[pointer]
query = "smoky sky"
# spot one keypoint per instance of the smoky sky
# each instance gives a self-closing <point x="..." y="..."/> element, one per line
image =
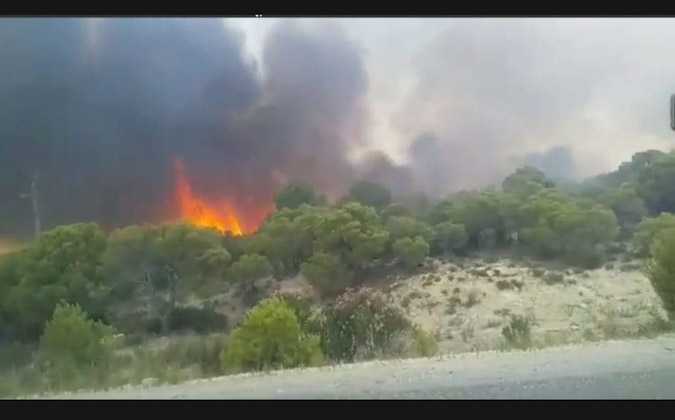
<point x="576" y="96"/>
<point x="557" y="163"/>
<point x="101" y="108"/>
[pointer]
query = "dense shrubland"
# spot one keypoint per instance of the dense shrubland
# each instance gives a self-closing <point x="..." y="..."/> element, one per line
<point x="79" y="282"/>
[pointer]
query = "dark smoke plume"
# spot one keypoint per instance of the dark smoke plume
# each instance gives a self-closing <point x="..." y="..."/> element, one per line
<point x="102" y="107"/>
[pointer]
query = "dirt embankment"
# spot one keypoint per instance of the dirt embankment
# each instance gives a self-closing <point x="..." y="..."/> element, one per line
<point x="467" y="302"/>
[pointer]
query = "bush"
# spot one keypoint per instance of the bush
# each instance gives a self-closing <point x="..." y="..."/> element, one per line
<point x="425" y="343"/>
<point x="327" y="273"/>
<point x="472" y="298"/>
<point x="270" y="337"/>
<point x="411" y="252"/>
<point x="73" y="345"/>
<point x="250" y="267"/>
<point x="200" y="320"/>
<point x="361" y="323"/>
<point x="661" y="269"/>
<point x="649" y="229"/>
<point x="15" y="355"/>
<point x="202" y="351"/>
<point x="589" y="258"/>
<point x="448" y="236"/>
<point x="553" y="278"/>
<point x="517" y="333"/>
<point x="295" y="195"/>
<point x="503" y="284"/>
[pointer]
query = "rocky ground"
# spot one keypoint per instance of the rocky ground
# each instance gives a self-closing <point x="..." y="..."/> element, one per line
<point x="467" y="302"/>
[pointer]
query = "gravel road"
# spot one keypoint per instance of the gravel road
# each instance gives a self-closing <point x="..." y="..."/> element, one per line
<point x="613" y="369"/>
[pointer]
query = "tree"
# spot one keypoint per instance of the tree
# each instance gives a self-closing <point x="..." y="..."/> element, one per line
<point x="286" y="238"/>
<point x="327" y="273"/>
<point x="215" y="259"/>
<point x="554" y="225"/>
<point x="403" y="226"/>
<point x="393" y="210"/>
<point x="411" y="251"/>
<point x="246" y="272"/>
<point x="655" y="183"/>
<point x="270" y="337"/>
<point x="62" y="264"/>
<point x="249" y="268"/>
<point x="167" y="262"/>
<point x="352" y="232"/>
<point x="477" y="211"/>
<point x="370" y="194"/>
<point x="72" y="343"/>
<point x="449" y="237"/>
<point x="294" y="195"/>
<point x="526" y="181"/>
<point x="626" y="204"/>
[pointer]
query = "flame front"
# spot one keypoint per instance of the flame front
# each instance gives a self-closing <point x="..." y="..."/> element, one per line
<point x="197" y="211"/>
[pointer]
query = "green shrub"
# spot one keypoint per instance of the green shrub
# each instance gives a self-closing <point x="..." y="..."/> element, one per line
<point x="411" y="251"/>
<point x="15" y="355"/>
<point x="361" y="322"/>
<point x="661" y="269"/>
<point x="327" y="273"/>
<point x="74" y="347"/>
<point x="250" y="267"/>
<point x="517" y="332"/>
<point x="270" y="337"/>
<point x="200" y="320"/>
<point x="425" y="343"/>
<point x="589" y="258"/>
<point x="448" y="237"/>
<point x="649" y="229"/>
<point x="202" y="351"/>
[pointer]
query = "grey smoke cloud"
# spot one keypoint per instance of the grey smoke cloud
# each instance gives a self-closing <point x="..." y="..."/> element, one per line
<point x="101" y="109"/>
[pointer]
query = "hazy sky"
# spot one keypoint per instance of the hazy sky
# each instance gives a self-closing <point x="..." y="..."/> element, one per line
<point x="495" y="90"/>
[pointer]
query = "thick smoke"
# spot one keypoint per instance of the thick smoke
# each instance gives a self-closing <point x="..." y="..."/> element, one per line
<point x="102" y="107"/>
<point x="377" y="167"/>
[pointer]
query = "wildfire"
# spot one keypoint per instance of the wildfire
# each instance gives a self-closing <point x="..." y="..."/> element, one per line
<point x="197" y="211"/>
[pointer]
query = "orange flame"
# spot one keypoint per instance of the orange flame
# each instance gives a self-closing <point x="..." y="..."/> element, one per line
<point x="198" y="212"/>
